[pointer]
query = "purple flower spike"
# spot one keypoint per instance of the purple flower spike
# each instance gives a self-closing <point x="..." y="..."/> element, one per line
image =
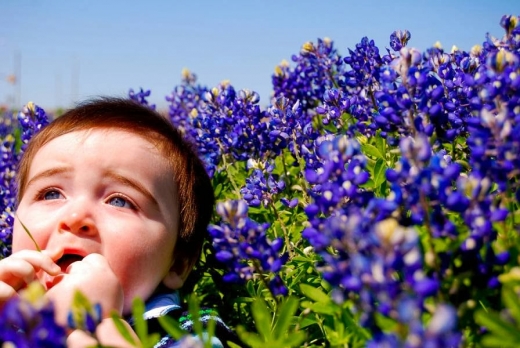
<point x="242" y="245"/>
<point x="399" y="39"/>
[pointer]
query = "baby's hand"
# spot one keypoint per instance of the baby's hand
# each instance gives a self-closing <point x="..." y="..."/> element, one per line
<point x="95" y="279"/>
<point x="19" y="269"/>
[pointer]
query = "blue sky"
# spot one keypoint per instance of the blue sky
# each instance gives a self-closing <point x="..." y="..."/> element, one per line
<point x="72" y="50"/>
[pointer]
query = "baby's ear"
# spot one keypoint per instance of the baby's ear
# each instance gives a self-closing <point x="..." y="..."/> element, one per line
<point x="177" y="274"/>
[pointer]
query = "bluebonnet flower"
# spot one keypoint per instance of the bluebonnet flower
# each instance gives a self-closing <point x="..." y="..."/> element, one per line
<point x="141" y="97"/>
<point x="289" y="203"/>
<point x="318" y="67"/>
<point x="28" y="321"/>
<point x="399" y="39"/>
<point x="7" y="122"/>
<point x="440" y="332"/>
<point x="337" y="178"/>
<point x="185" y="102"/>
<point x="510" y="24"/>
<point x="262" y="186"/>
<point x="287" y="126"/>
<point x="376" y="260"/>
<point x="8" y="163"/>
<point x="30" y="120"/>
<point x="335" y="104"/>
<point x="227" y="123"/>
<point x="243" y="246"/>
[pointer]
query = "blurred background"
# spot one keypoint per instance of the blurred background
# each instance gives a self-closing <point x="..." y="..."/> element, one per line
<point x="56" y="53"/>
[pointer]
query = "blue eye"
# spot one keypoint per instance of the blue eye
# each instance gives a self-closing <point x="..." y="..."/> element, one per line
<point x="120" y="202"/>
<point x="53" y="194"/>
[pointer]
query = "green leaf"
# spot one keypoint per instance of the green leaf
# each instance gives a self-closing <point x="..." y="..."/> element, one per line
<point x="172" y="327"/>
<point x="210" y="330"/>
<point x="295" y="339"/>
<point x="151" y="340"/>
<point x="369" y="185"/>
<point x="80" y="306"/>
<point x="371" y="150"/>
<point x="218" y="190"/>
<point x="314" y="293"/>
<point x="262" y="317"/>
<point x="141" y="327"/>
<point x="497" y="325"/>
<point x="81" y="301"/>
<point x="251" y="339"/>
<point x="233" y="345"/>
<point x="322" y="308"/>
<point x="379" y="173"/>
<point x="193" y="308"/>
<point x="304" y="322"/>
<point x="285" y="316"/>
<point x="497" y="341"/>
<point x="381" y="144"/>
<point x="122" y="328"/>
<point x="512" y="303"/>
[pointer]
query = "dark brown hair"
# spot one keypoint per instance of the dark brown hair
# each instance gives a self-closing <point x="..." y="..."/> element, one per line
<point x="194" y="190"/>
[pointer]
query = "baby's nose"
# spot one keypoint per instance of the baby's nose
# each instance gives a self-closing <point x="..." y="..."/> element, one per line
<point x="78" y="219"/>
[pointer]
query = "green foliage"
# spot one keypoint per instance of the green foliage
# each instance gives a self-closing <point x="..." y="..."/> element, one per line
<point x="274" y="329"/>
<point x="339" y="326"/>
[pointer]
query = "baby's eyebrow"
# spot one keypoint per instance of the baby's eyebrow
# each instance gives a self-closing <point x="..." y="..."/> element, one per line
<point x="48" y="173"/>
<point x="132" y="183"/>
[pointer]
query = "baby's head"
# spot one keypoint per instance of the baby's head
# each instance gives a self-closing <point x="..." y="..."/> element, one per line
<point x="115" y="178"/>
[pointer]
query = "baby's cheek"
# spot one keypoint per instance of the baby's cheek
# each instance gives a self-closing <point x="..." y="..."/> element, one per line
<point x="21" y="240"/>
<point x="136" y="284"/>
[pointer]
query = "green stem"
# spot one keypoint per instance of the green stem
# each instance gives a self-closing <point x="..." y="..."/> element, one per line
<point x="258" y="270"/>
<point x="285" y="233"/>
<point x="226" y="166"/>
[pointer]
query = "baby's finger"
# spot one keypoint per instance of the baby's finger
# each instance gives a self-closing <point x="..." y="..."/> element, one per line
<point x="15" y="272"/>
<point x="96" y="260"/>
<point x="6" y="292"/>
<point x="39" y="260"/>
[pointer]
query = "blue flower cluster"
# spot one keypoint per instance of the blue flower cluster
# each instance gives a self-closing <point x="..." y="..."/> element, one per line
<point x="449" y="123"/>
<point x="428" y="104"/>
<point x="376" y="261"/>
<point x="244" y="247"/>
<point x="411" y="229"/>
<point x="318" y="67"/>
<point x="141" y="97"/>
<point x="28" y="321"/>
<point x="8" y="162"/>
<point x="29" y="121"/>
<point x="262" y="186"/>
<point x="185" y="101"/>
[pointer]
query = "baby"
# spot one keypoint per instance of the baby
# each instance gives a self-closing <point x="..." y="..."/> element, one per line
<point x="118" y="203"/>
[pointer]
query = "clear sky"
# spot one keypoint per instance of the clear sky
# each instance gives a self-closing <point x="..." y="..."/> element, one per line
<point x="68" y="50"/>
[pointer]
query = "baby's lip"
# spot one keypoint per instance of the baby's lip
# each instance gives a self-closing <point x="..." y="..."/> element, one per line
<point x="65" y="256"/>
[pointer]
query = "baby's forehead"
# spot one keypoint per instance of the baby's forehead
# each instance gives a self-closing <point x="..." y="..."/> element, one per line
<point x="104" y="144"/>
<point x="128" y="137"/>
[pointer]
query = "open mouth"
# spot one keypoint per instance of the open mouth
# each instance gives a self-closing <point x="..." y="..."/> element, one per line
<point x="66" y="260"/>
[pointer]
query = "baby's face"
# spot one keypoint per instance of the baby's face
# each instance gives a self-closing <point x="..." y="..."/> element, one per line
<point x="103" y="191"/>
